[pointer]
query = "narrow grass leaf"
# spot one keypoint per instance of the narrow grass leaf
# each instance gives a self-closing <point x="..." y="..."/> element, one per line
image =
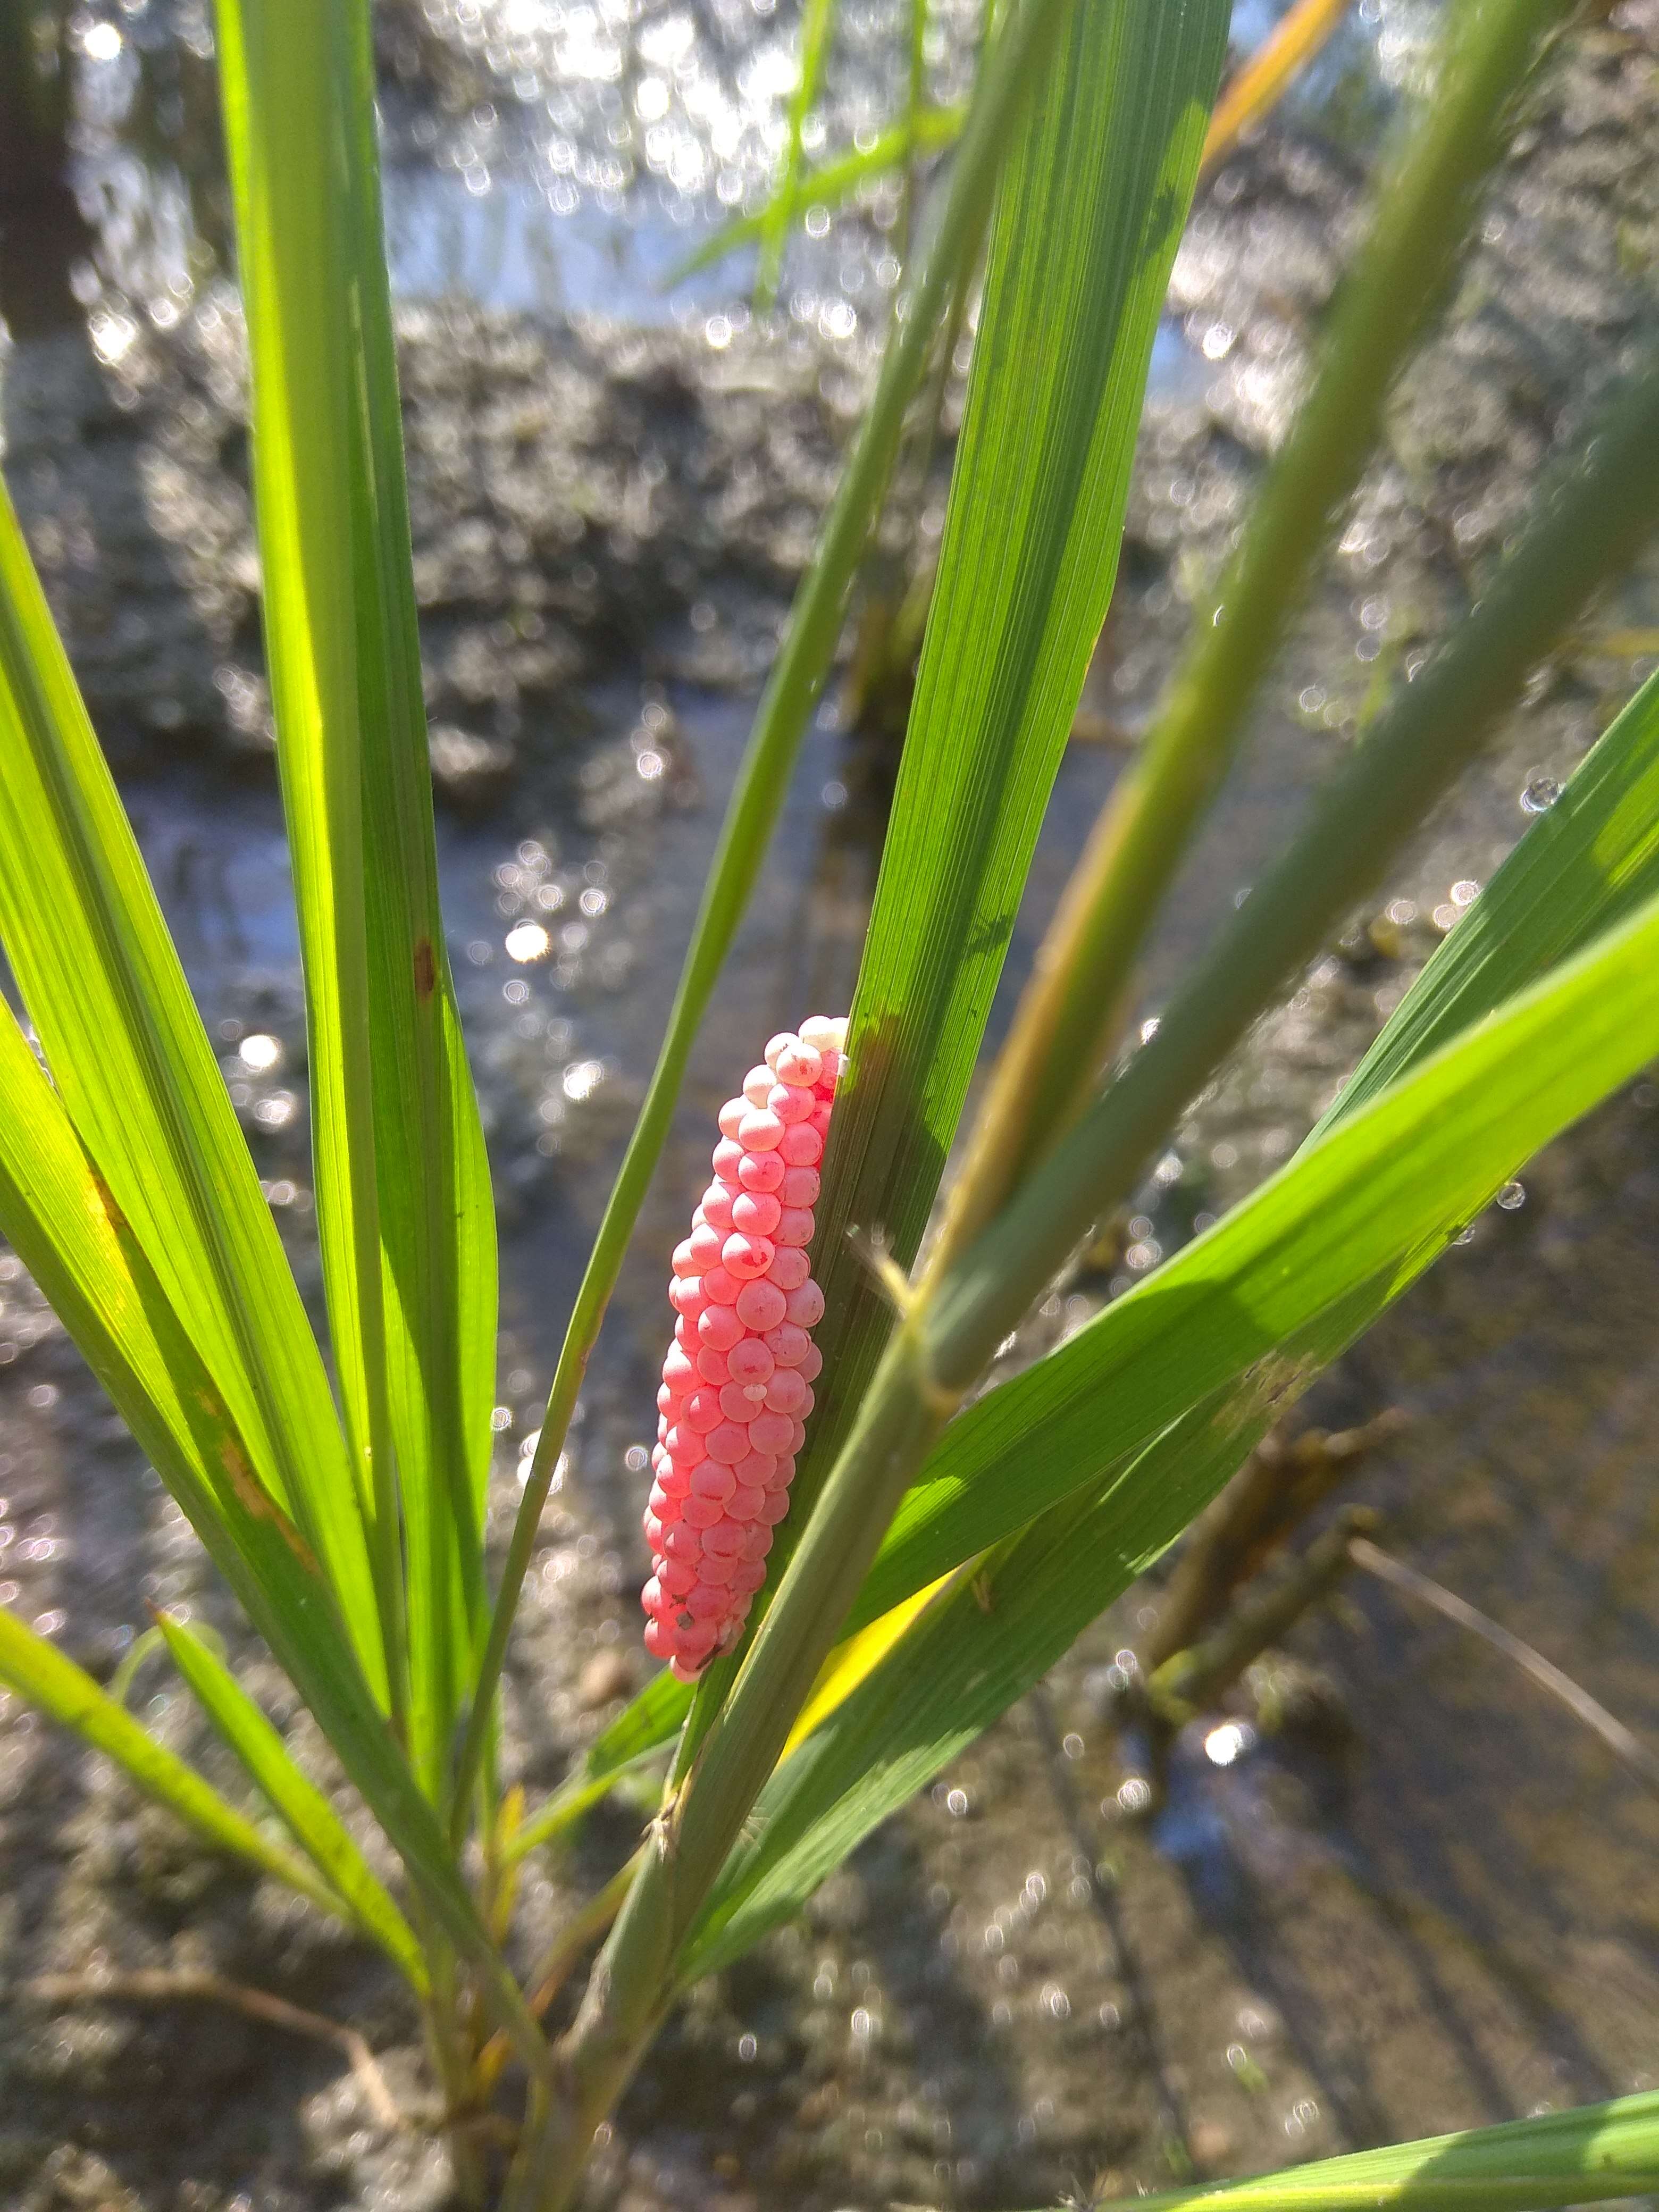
<point x="1224" y="1349"/>
<point x="137" y="1072"/>
<point x="404" y="1209"/>
<point x="55" y="1686"/>
<point x="311" y="1820"/>
<point x="817" y="21"/>
<point x="1591" y="858"/>
<point x="1583" y="2156"/>
<point x="829" y="184"/>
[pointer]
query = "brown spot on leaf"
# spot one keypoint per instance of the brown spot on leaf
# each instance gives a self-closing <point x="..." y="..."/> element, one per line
<point x="260" y="1505"/>
<point x="118" y="1220"/>
<point x="426" y="967"/>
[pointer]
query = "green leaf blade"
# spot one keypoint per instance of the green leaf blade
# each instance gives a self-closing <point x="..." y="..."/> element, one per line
<point x="405" y="1210"/>
<point x="313" y="1822"/>
<point x="137" y="1072"/>
<point x="55" y="1686"/>
<point x="1578" y="2157"/>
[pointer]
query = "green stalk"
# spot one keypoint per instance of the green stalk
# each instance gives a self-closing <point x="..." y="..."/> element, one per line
<point x="913" y="109"/>
<point x="1071" y="1014"/>
<point x="949" y="1335"/>
<point x="786" y="708"/>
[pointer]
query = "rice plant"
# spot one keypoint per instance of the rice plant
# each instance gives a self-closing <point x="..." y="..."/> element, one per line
<point x="944" y="1543"/>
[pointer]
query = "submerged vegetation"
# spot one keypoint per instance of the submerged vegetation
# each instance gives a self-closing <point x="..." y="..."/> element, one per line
<point x="952" y="1528"/>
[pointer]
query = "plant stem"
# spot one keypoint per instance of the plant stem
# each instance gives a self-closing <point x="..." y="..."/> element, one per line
<point x="786" y="708"/>
<point x="1072" y="1011"/>
<point x="1277" y="1486"/>
<point x="1189" y="1680"/>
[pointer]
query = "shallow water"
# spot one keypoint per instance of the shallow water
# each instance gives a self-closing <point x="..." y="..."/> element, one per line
<point x="1427" y="1900"/>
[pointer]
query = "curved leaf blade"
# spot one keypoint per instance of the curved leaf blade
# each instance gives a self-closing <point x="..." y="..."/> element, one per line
<point x="311" y="1820"/>
<point x="1578" y="2157"/>
<point x="137" y="1074"/>
<point x="55" y="1686"/>
<point x="405" y="1207"/>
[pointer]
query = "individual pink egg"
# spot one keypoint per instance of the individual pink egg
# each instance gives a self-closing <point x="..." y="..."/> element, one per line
<point x="705" y="1241"/>
<point x="747" y="1258"/>
<point x="777" y="1046"/>
<point x="712" y="1480"/>
<point x="702" y="1411"/>
<point x="757" y="1470"/>
<point x="761" y="1306"/>
<point x="819" y="1123"/>
<point x="746" y="1503"/>
<point x="719" y="1326"/>
<point x="801" y="1144"/>
<point x="737" y="1405"/>
<point x="728" y="1159"/>
<point x="799" y="1063"/>
<point x="787" y="1343"/>
<point x="790" y="1268"/>
<point x="714" y="1366"/>
<point x="719" y="1285"/>
<point x="757" y="1085"/>
<point x="771" y="1432"/>
<point x="761" y="1131"/>
<point x="800" y="1186"/>
<point x="756" y="1214"/>
<point x="728" y="1443"/>
<point x="787" y="1393"/>
<point x="731" y="1113"/>
<point x="791" y="1105"/>
<point x="750" y="1361"/>
<point x="763" y="1171"/>
<point x="795" y="1226"/>
<point x="804" y="1307"/>
<point x="717" y="1206"/>
<point x="811" y="1367"/>
<point x="685" y="1447"/>
<point x="700" y="1512"/>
